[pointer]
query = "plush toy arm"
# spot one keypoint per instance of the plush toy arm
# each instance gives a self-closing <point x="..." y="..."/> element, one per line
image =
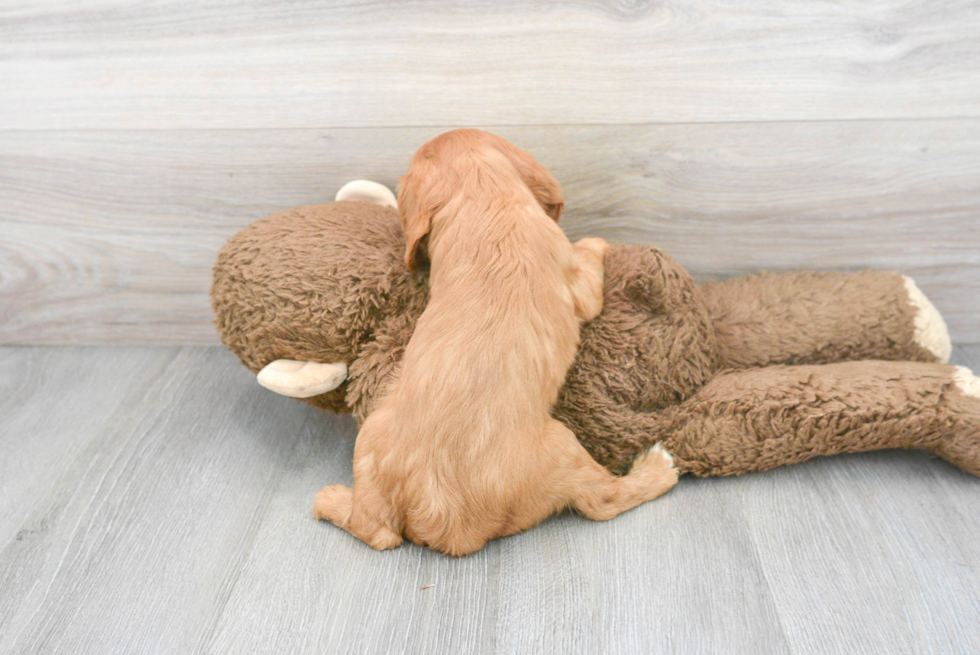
<point x="817" y="317"/>
<point x="368" y="378"/>
<point x="757" y="419"/>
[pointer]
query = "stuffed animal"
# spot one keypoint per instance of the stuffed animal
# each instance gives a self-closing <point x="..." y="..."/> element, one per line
<point x="735" y="376"/>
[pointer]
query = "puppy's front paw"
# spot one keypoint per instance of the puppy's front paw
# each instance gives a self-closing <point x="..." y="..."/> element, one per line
<point x="595" y="246"/>
<point x="656" y="467"/>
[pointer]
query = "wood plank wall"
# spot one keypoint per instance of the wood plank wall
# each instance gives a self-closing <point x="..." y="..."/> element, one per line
<point x="136" y="137"/>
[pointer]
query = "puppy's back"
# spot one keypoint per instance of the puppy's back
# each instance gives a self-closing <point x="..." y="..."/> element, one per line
<point x="466" y="419"/>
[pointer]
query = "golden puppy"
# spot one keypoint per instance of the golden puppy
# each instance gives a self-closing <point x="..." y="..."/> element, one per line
<point x="462" y="449"/>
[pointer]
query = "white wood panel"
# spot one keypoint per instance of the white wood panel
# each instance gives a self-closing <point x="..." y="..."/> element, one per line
<point x="109" y="237"/>
<point x="178" y="64"/>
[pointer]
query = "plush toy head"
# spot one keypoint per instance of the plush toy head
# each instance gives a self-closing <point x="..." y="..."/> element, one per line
<point x="313" y="284"/>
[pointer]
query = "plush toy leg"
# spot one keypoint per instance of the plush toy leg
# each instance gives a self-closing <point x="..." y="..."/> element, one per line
<point x="757" y="419"/>
<point x="301" y="379"/>
<point x="819" y="318"/>
<point x="367" y="191"/>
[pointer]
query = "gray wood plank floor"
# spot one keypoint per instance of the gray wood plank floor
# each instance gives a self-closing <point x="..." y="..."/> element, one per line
<point x="156" y="500"/>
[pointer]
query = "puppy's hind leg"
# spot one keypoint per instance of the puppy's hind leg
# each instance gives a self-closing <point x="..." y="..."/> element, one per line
<point x="597" y="494"/>
<point x="358" y="515"/>
<point x="334" y="504"/>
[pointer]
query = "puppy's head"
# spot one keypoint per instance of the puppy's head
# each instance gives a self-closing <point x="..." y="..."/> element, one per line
<point x="435" y="176"/>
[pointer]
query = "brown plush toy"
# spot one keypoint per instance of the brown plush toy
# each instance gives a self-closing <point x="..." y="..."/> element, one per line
<point x="730" y="377"/>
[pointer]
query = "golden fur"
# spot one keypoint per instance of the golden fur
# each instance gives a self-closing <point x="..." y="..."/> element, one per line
<point x="462" y="449"/>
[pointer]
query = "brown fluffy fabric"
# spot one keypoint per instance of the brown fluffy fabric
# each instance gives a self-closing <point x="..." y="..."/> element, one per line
<point x="786" y="319"/>
<point x="327" y="283"/>
<point x="760" y="418"/>
<point x="314" y="284"/>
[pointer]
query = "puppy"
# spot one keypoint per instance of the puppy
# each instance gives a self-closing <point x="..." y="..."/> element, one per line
<point x="462" y="449"/>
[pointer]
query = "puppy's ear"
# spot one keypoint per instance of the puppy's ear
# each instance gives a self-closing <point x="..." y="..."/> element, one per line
<point x="416" y="222"/>
<point x="416" y="205"/>
<point x="540" y="181"/>
<point x="554" y="210"/>
<point x="415" y="255"/>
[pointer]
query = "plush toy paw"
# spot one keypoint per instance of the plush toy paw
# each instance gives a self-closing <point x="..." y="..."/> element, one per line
<point x="367" y="191"/>
<point x="959" y="439"/>
<point x="301" y="379"/>
<point x="967" y="382"/>
<point x="930" y="328"/>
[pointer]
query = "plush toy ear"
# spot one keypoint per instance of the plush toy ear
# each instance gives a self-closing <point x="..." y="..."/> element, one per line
<point x="367" y="191"/>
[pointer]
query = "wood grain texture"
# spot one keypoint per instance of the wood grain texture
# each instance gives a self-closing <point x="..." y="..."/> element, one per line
<point x="183" y="526"/>
<point x="570" y="585"/>
<point x="46" y="424"/>
<point x="135" y="547"/>
<point x="109" y="237"/>
<point x="177" y="64"/>
<point x="843" y="531"/>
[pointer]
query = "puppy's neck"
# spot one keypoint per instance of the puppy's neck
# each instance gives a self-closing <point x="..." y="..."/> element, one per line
<point x="491" y="232"/>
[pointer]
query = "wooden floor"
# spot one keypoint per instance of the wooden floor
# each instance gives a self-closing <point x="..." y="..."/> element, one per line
<point x="158" y="500"/>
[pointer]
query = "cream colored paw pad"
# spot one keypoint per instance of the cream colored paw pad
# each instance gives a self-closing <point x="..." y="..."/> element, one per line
<point x="930" y="328"/>
<point x="968" y="383"/>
